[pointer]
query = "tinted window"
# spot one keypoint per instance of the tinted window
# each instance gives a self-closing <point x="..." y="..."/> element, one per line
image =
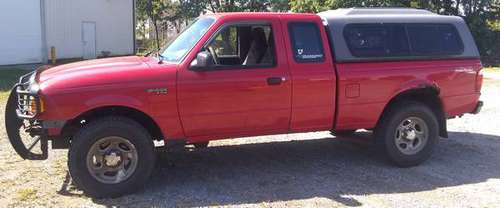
<point x="306" y="42"/>
<point x="399" y="40"/>
<point x="430" y="39"/>
<point x="376" y="40"/>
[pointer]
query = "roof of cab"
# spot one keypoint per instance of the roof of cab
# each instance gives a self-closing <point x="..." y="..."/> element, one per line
<point x="258" y="14"/>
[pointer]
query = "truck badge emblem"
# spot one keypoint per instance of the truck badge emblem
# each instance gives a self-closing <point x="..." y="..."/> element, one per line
<point x="158" y="91"/>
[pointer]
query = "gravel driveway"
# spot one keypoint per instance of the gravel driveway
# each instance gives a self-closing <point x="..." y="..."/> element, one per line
<point x="296" y="170"/>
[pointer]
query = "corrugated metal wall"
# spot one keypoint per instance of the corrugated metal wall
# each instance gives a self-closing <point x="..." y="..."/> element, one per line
<point x="114" y="26"/>
<point x="20" y="33"/>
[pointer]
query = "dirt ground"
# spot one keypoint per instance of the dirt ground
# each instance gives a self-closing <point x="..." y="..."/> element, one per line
<point x="296" y="170"/>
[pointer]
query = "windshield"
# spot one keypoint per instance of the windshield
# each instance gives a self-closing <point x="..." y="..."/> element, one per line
<point x="178" y="48"/>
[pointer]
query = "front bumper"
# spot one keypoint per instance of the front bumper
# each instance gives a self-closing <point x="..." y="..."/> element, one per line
<point x="29" y="104"/>
<point x="478" y="107"/>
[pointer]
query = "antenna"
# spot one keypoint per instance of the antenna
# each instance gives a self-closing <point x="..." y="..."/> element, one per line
<point x="150" y="8"/>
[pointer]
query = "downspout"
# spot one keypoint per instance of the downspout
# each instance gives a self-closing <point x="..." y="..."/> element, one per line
<point x="43" y="32"/>
<point x="134" y="19"/>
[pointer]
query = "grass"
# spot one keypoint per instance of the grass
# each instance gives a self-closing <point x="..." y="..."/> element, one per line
<point x="3" y="95"/>
<point x="26" y="194"/>
<point x="492" y="69"/>
<point x="9" y="77"/>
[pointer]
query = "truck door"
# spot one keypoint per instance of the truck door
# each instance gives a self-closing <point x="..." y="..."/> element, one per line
<point x="246" y="92"/>
<point x="313" y="74"/>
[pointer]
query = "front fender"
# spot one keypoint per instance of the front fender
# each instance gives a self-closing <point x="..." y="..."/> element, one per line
<point x="115" y="100"/>
<point x="66" y="106"/>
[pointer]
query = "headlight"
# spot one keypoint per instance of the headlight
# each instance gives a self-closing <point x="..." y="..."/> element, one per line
<point x="34" y="88"/>
<point x="30" y="101"/>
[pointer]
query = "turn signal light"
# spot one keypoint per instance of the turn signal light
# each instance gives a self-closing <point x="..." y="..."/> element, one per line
<point x="42" y="104"/>
<point x="32" y="103"/>
<point x="33" y="108"/>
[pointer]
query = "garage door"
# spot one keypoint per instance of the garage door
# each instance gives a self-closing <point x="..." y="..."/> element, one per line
<point x="20" y="32"/>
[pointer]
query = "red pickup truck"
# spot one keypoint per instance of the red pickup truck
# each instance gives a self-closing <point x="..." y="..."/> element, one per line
<point x="400" y="73"/>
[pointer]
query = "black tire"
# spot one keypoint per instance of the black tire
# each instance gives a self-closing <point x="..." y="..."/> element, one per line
<point x="385" y="133"/>
<point x="13" y="126"/>
<point x="106" y="127"/>
<point x="343" y="133"/>
<point x="199" y="145"/>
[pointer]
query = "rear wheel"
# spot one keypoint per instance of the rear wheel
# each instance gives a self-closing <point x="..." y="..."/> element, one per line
<point x="408" y="133"/>
<point x="111" y="157"/>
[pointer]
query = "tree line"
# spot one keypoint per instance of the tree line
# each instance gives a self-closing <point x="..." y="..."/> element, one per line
<point x="482" y="16"/>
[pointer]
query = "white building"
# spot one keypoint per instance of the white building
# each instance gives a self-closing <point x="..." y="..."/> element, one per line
<point x="75" y="28"/>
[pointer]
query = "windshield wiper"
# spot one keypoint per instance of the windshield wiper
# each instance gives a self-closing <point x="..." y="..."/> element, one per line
<point x="161" y="58"/>
<point x="149" y="53"/>
<point x="158" y="54"/>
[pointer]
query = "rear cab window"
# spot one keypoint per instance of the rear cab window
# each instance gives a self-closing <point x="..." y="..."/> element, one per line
<point x="306" y="42"/>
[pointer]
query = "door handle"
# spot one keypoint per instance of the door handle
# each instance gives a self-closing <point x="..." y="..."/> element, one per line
<point x="275" y="80"/>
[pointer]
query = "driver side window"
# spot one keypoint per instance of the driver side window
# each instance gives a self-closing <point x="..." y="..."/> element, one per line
<point x="226" y="43"/>
<point x="245" y="45"/>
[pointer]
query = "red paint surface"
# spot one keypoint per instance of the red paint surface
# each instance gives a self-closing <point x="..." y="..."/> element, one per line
<point x="380" y="82"/>
<point x="234" y="103"/>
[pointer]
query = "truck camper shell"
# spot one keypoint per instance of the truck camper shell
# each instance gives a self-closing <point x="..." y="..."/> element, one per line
<point x="338" y="20"/>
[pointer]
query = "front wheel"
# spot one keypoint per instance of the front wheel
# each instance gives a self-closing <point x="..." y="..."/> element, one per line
<point x="408" y="133"/>
<point x="19" y="132"/>
<point x="111" y="157"/>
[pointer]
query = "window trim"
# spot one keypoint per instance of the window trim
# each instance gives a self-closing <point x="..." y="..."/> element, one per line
<point x="238" y="67"/>
<point x="292" y="43"/>
<point x="411" y="55"/>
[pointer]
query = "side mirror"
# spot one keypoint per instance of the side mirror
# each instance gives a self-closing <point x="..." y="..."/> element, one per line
<point x="204" y="60"/>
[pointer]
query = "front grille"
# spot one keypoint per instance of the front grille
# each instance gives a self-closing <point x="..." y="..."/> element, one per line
<point x="28" y="105"/>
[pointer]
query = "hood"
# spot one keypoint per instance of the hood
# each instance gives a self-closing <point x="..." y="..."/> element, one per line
<point x="107" y="71"/>
<point x="92" y="66"/>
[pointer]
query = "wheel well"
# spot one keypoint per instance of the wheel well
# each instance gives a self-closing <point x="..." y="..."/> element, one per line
<point x="143" y="119"/>
<point x="428" y="96"/>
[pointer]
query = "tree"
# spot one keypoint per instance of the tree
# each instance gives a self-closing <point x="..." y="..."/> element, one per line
<point x="315" y="6"/>
<point x="279" y="5"/>
<point x="482" y="16"/>
<point x="310" y="6"/>
<point x="246" y="5"/>
<point x="151" y="10"/>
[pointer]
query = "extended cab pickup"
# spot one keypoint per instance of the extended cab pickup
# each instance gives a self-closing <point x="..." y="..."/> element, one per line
<point x="397" y="72"/>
